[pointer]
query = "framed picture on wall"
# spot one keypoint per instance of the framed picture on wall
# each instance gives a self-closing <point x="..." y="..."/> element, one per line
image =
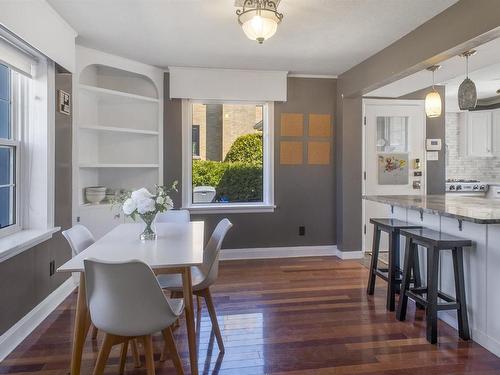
<point x="63" y="102"/>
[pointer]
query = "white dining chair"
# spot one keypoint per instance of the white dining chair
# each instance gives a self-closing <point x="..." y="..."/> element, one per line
<point x="79" y="238"/>
<point x="126" y="302"/>
<point x="203" y="276"/>
<point x="174" y="216"/>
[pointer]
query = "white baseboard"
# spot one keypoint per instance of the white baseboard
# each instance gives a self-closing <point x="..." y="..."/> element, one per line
<point x="287" y="252"/>
<point x="487" y="342"/>
<point x="346" y="255"/>
<point x="19" y="331"/>
<point x="278" y="252"/>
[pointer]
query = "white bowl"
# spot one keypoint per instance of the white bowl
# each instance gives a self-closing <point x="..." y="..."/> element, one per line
<point x="96" y="189"/>
<point x="95" y="197"/>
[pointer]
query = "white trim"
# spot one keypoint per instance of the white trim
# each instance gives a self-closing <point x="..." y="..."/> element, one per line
<point x="320" y="76"/>
<point x="278" y="252"/>
<point x="19" y="331"/>
<point x="346" y="255"/>
<point x="268" y="164"/>
<point x="23" y="240"/>
<point x="288" y="252"/>
<point x="487" y="342"/>
<point x="233" y="208"/>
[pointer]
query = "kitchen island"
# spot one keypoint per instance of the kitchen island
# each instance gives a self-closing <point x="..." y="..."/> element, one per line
<point x="477" y="219"/>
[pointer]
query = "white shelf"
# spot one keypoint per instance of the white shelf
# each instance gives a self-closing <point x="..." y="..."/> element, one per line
<point x="115" y="93"/>
<point x="99" y="165"/>
<point x="118" y="130"/>
<point x="99" y="205"/>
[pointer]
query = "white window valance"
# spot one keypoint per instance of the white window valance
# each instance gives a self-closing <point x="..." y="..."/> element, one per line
<point x="228" y="84"/>
<point x="13" y="54"/>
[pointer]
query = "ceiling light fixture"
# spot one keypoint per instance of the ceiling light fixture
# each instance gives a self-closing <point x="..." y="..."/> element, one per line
<point x="259" y="19"/>
<point x="433" y="99"/>
<point x="467" y="93"/>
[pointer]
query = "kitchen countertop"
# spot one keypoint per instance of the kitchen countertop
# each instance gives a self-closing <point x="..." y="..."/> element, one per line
<point x="474" y="209"/>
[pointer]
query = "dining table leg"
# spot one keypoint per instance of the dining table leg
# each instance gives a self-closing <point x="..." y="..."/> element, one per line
<point x="188" y="301"/>
<point x="81" y="328"/>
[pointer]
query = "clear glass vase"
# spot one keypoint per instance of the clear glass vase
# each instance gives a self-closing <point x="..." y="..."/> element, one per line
<point x="149" y="232"/>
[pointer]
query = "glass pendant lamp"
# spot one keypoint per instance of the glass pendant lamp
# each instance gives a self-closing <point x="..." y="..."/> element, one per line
<point x="433" y="105"/>
<point x="467" y="93"/>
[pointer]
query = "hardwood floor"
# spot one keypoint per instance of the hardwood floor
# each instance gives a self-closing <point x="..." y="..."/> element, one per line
<point x="287" y="316"/>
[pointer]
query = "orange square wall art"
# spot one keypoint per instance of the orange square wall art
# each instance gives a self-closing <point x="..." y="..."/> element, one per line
<point x="320" y="125"/>
<point x="318" y="153"/>
<point x="291" y="153"/>
<point x="292" y="125"/>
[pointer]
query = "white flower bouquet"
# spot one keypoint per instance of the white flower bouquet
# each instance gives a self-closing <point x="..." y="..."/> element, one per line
<point x="141" y="203"/>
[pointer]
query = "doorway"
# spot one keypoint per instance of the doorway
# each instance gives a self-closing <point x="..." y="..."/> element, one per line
<point x="394" y="134"/>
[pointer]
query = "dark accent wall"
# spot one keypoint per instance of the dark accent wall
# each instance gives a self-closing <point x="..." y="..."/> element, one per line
<point x="24" y="279"/>
<point x="305" y="195"/>
<point x="435" y="128"/>
<point x="349" y="168"/>
<point x="464" y="25"/>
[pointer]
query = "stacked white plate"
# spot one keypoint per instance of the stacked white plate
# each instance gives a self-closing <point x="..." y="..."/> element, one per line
<point x="95" y="194"/>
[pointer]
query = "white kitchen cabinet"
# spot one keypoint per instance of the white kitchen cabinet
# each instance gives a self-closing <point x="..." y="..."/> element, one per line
<point x="496" y="132"/>
<point x="480" y="134"/>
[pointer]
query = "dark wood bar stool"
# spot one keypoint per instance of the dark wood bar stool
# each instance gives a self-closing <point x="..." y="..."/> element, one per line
<point x="391" y="274"/>
<point x="434" y="242"/>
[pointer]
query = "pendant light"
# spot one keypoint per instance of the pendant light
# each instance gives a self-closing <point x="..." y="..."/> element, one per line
<point x="259" y="19"/>
<point x="433" y="99"/>
<point x="467" y="93"/>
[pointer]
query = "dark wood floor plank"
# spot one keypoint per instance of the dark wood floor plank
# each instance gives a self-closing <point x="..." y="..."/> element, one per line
<point x="300" y="316"/>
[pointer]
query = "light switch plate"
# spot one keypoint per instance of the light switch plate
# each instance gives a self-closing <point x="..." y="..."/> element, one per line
<point x="432" y="155"/>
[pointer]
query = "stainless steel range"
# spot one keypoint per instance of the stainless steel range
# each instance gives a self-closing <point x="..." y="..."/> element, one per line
<point x="472" y="188"/>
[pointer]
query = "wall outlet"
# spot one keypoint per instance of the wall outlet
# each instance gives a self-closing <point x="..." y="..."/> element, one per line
<point x="302" y="230"/>
<point x="52" y="267"/>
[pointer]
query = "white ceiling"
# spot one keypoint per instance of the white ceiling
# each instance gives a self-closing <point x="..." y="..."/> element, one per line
<point x="484" y="70"/>
<point x="315" y="37"/>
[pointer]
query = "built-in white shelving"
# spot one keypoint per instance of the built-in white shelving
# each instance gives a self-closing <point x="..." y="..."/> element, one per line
<point x="118" y="130"/>
<point x="115" y="94"/>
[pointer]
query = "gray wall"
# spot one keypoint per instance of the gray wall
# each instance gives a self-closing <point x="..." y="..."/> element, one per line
<point x="24" y="279"/>
<point x="464" y="25"/>
<point x="349" y="166"/>
<point x="435" y="128"/>
<point x="305" y="195"/>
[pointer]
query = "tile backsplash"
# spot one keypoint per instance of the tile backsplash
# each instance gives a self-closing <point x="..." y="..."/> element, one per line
<point x="457" y="166"/>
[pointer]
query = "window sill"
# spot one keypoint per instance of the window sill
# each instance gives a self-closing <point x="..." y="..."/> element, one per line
<point x="230" y="208"/>
<point x="14" y="244"/>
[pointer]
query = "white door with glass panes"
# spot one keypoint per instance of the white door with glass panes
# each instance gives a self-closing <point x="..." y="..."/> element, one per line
<point x="394" y="156"/>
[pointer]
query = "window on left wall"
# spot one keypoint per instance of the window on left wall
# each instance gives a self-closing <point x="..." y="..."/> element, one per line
<point x="27" y="102"/>
<point x="9" y="151"/>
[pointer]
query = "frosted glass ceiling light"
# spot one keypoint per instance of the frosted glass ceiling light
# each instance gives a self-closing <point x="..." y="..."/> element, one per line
<point x="433" y="99"/>
<point x="467" y="93"/>
<point x="259" y="19"/>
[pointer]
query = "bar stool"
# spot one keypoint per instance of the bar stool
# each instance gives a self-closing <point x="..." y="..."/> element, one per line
<point x="392" y="273"/>
<point x="434" y="242"/>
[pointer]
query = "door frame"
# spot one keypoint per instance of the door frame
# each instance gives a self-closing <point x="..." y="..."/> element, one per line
<point x="396" y="102"/>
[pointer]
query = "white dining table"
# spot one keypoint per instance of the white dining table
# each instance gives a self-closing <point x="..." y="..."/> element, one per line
<point x="177" y="248"/>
